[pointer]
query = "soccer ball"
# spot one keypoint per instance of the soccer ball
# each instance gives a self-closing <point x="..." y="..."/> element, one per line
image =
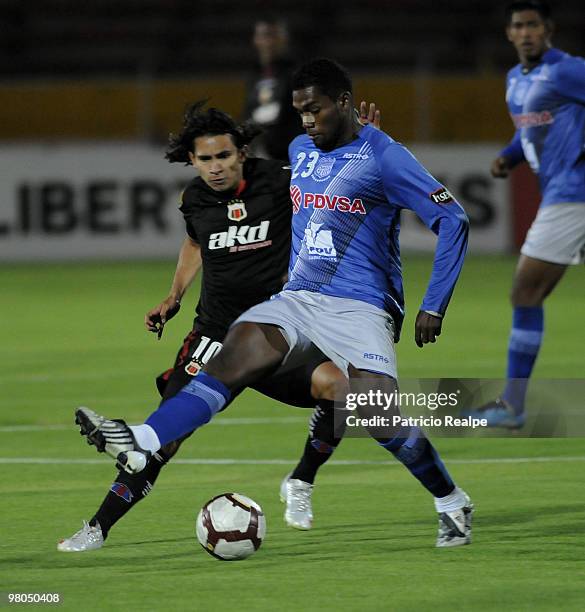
<point x="231" y="526"/>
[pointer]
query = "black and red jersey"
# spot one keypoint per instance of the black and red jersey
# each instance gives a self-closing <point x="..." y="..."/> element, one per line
<point x="245" y="240"/>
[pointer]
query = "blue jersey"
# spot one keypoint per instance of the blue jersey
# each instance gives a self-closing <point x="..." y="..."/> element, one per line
<point x="346" y="221"/>
<point x="547" y="105"/>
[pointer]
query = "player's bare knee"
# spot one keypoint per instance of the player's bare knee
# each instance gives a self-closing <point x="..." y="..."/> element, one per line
<point x="528" y="294"/>
<point x="247" y="350"/>
<point x="328" y="382"/>
<point x="226" y="368"/>
<point x="534" y="281"/>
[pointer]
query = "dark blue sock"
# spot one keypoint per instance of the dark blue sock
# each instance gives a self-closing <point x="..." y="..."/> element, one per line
<point x="411" y="447"/>
<point x="192" y="407"/>
<point x="523" y="347"/>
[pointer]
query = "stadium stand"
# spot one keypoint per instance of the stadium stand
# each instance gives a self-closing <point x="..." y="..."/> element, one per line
<point x="162" y="37"/>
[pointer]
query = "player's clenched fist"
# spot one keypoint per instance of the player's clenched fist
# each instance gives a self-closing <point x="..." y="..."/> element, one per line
<point x="426" y="328"/>
<point x="500" y="167"/>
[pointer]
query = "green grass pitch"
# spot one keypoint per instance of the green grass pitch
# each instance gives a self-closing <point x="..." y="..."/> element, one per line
<point x="73" y="334"/>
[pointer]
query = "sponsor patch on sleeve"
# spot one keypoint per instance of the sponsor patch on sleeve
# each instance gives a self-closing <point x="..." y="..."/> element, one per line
<point x="441" y="196"/>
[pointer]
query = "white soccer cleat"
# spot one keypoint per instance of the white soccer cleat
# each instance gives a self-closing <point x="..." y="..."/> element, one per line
<point x="455" y="526"/>
<point x="113" y="437"/>
<point x="87" y="538"/>
<point x="283" y="488"/>
<point x="297" y="496"/>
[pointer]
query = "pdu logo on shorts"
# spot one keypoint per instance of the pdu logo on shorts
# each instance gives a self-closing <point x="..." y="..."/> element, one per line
<point x="319" y="242"/>
<point x="241" y="238"/>
<point x="236" y="210"/>
<point x="441" y="196"/>
<point x="321" y="201"/>
<point x="375" y="357"/>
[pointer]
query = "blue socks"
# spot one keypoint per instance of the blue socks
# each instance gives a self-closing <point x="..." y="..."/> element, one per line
<point x="523" y="347"/>
<point x="411" y="447"/>
<point x="192" y="407"/>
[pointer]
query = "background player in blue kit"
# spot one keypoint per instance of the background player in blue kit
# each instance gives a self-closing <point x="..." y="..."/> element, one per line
<point x="344" y="294"/>
<point x="546" y="99"/>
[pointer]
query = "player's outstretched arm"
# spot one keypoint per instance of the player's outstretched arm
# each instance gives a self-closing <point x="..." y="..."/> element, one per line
<point x="188" y="265"/>
<point x="408" y="184"/>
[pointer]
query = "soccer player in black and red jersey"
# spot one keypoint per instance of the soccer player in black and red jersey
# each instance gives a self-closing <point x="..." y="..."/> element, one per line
<point x="238" y="223"/>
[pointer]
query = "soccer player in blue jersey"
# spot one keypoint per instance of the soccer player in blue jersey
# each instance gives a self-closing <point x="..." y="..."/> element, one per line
<point x="344" y="294"/>
<point x="546" y="99"/>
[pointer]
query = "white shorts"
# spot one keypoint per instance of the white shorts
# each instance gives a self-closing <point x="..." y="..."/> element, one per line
<point x="557" y="234"/>
<point x="347" y="331"/>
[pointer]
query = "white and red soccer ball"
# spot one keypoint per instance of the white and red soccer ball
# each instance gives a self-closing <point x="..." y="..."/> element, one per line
<point x="231" y="526"/>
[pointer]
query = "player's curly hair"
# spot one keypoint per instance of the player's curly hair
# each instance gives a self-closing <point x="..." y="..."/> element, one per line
<point x="210" y="122"/>
<point x="330" y="77"/>
<point x="542" y="8"/>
